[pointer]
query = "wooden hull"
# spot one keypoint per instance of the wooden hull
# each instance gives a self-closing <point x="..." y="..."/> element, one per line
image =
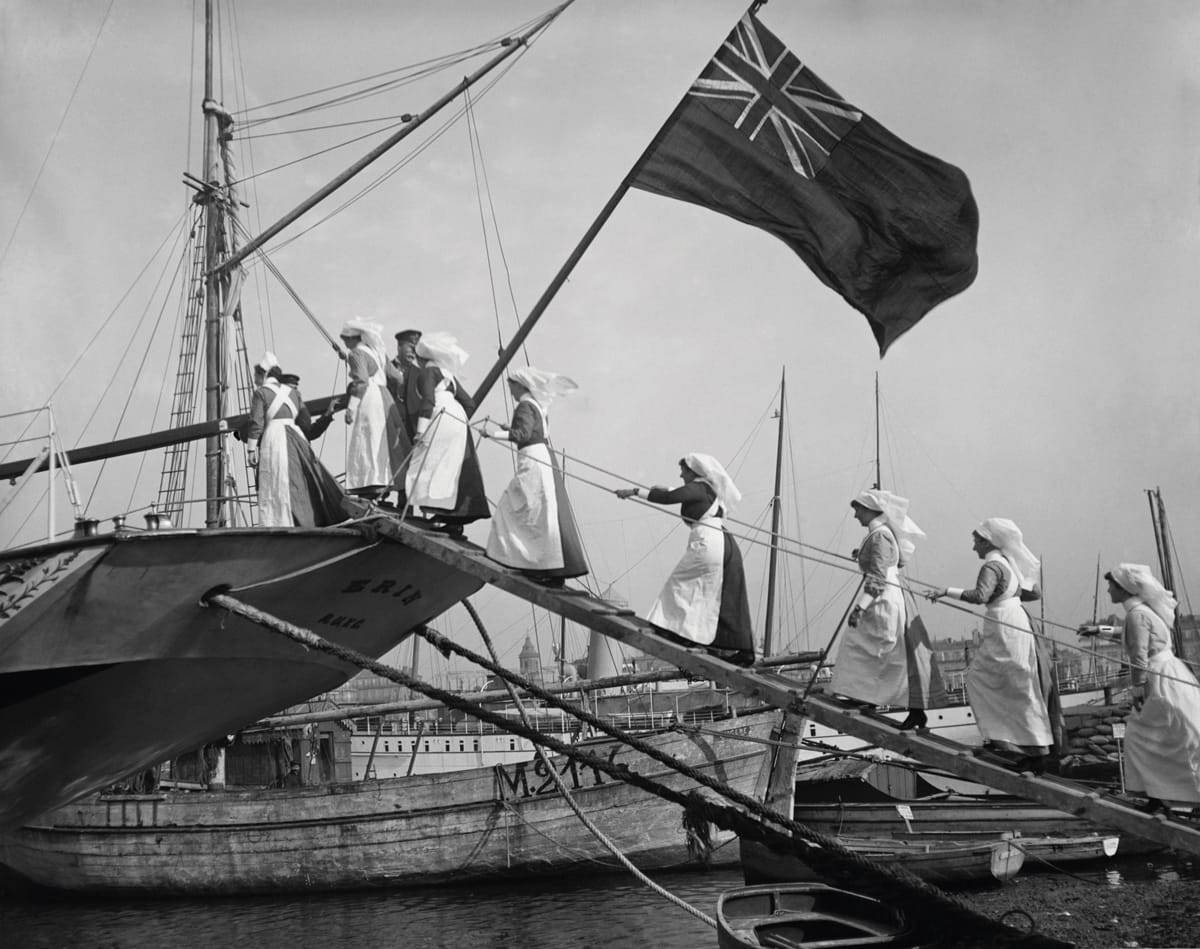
<point x="935" y="818"/>
<point x="940" y="862"/>
<point x="945" y="860"/>
<point x="109" y="664"/>
<point x="499" y="822"/>
<point x="807" y="914"/>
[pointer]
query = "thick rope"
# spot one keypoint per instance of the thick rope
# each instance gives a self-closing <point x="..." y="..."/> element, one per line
<point x="562" y="788"/>
<point x="835" y="861"/>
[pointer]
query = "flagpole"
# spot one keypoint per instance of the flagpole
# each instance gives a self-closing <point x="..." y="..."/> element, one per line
<point x="568" y="266"/>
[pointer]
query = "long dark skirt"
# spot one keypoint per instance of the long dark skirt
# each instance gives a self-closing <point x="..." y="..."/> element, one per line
<point x="574" y="560"/>
<point x="472" y="504"/>
<point x="315" y="495"/>
<point x="734" y="630"/>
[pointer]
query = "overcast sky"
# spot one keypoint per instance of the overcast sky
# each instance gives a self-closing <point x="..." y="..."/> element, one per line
<point x="1055" y="390"/>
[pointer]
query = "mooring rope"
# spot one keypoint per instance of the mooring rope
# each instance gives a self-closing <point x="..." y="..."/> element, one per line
<point x="836" y="862"/>
<point x="562" y="788"/>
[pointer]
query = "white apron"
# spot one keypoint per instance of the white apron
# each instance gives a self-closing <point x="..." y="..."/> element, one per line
<point x="690" y="602"/>
<point x="525" y="530"/>
<point x="1162" y="741"/>
<point x="1002" y="680"/>
<point x="274" y="486"/>
<point x="436" y="463"/>
<point x="368" y="458"/>
<point x="872" y="664"/>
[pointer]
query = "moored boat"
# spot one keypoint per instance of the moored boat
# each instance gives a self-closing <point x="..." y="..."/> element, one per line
<point x="944" y="862"/>
<point x="800" y="915"/>
<point x="110" y="663"/>
<point x="485" y="823"/>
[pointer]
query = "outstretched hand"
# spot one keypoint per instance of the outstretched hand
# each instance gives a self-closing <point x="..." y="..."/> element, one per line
<point x="936" y="595"/>
<point x="625" y="493"/>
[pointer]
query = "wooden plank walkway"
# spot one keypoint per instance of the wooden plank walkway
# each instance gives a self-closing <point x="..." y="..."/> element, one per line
<point x="774" y="689"/>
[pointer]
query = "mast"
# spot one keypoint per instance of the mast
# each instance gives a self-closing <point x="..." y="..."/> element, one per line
<point x="775" y="504"/>
<point x="214" y="381"/>
<point x="878" y="476"/>
<point x="1162" y="543"/>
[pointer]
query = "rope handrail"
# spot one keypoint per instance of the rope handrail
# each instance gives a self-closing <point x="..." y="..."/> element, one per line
<point x="843" y="562"/>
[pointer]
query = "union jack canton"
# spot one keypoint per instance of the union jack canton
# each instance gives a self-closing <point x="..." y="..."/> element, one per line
<point x="761" y="88"/>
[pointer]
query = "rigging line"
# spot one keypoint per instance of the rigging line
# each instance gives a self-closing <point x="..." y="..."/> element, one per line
<point x="172" y="357"/>
<point x="104" y="324"/>
<point x="191" y="98"/>
<point x="54" y="138"/>
<point x="406" y="160"/>
<point x="476" y="161"/>
<point x="67" y="375"/>
<point x="1181" y="593"/>
<point x="323" y="151"/>
<point x="246" y="150"/>
<point x="420" y="69"/>
<point x="401" y="117"/>
<point x="99" y="400"/>
<point x="290" y="290"/>
<point x="966" y="503"/>
<point x="481" y="170"/>
<point x="792" y="468"/>
<point x="403" y="162"/>
<point x="512" y="294"/>
<point x="361" y="95"/>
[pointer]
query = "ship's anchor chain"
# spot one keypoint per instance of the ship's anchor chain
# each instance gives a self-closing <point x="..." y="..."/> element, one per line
<point x="959" y="925"/>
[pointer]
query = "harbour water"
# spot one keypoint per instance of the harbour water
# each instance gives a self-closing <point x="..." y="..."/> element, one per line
<point x="601" y="913"/>
<point x="610" y="912"/>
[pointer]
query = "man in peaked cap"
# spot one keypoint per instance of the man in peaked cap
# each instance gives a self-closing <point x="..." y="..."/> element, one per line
<point x="402" y="378"/>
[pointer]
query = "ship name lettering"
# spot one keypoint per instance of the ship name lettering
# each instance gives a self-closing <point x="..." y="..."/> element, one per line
<point x="342" y="622"/>
<point x="518" y="781"/>
<point x="406" y="593"/>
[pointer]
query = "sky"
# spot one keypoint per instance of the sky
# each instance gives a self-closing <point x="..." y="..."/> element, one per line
<point x="1055" y="390"/>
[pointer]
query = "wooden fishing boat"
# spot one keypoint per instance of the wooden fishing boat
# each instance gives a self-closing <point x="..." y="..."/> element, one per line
<point x="891" y="800"/>
<point x="807" y="916"/>
<point x="944" y="862"/>
<point x="486" y="823"/>
<point x="941" y="817"/>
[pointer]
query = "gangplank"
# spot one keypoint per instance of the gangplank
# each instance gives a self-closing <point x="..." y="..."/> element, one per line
<point x="777" y="690"/>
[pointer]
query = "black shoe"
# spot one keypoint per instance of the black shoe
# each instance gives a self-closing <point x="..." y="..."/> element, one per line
<point x="916" y="719"/>
<point x="739" y="657"/>
<point x="554" y="583"/>
<point x="1154" y="806"/>
<point x="1034" y="763"/>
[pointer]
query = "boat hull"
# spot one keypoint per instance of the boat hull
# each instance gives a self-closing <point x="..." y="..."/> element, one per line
<point x="945" y="863"/>
<point x="501" y="822"/>
<point x="109" y="663"/>
<point x="807" y="914"/>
